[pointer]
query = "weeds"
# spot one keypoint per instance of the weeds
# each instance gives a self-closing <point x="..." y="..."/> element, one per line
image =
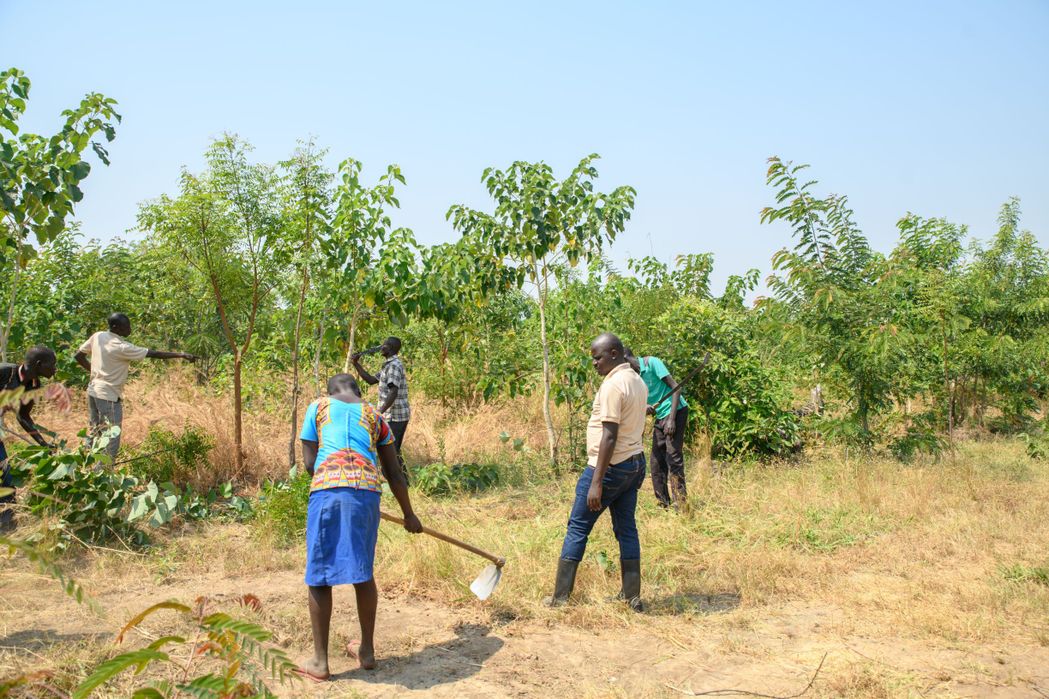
<point x="444" y="479"/>
<point x="166" y="457"/>
<point x="1020" y="573"/>
<point x="282" y="508"/>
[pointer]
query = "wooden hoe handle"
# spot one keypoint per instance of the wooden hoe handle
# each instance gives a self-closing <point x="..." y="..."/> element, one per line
<point x="499" y="562"/>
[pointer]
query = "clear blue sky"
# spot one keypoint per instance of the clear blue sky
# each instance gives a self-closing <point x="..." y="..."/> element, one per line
<point x="940" y="108"/>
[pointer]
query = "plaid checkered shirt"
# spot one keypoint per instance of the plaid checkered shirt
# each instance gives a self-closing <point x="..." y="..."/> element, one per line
<point x="392" y="374"/>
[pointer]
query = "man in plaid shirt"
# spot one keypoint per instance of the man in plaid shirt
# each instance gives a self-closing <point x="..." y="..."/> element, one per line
<point x="393" y="391"/>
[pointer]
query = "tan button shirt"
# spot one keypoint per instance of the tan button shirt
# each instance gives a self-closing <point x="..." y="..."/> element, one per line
<point x="621" y="399"/>
<point x="111" y="357"/>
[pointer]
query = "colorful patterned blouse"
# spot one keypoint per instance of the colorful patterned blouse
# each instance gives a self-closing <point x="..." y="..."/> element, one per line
<point x="348" y="437"/>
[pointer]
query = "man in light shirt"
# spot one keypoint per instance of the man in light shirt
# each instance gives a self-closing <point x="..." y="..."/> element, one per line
<point x="107" y="356"/>
<point x="614" y="473"/>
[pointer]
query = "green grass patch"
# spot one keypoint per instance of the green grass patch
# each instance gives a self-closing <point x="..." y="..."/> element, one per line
<point x="826" y="529"/>
<point x="1020" y="573"/>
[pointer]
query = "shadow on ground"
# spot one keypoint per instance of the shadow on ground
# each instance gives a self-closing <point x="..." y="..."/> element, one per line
<point x="445" y="662"/>
<point x="689" y="602"/>
<point x="40" y="639"/>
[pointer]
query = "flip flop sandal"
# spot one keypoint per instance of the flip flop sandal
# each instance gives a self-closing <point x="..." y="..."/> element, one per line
<point x="306" y="674"/>
<point x="351" y="650"/>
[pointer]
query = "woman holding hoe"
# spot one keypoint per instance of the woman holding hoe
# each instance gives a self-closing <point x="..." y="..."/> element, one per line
<point x="343" y="441"/>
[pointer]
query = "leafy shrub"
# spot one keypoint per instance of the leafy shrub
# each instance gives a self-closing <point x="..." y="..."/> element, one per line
<point x="443" y="479"/>
<point x="90" y="500"/>
<point x="1037" y="445"/>
<point x="95" y="501"/>
<point x="921" y="437"/>
<point x="741" y="402"/>
<point x="282" y="507"/>
<point x="166" y="457"/>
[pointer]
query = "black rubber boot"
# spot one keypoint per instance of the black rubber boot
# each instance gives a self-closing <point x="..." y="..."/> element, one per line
<point x="564" y="583"/>
<point x="631" y="591"/>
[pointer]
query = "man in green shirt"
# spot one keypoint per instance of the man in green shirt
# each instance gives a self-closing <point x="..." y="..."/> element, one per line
<point x="668" y="433"/>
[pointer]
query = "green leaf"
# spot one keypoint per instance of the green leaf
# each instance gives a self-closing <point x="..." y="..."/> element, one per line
<point x="139" y="507"/>
<point x="148" y="693"/>
<point x="80" y="170"/>
<point x="111" y="668"/>
<point x="138" y="618"/>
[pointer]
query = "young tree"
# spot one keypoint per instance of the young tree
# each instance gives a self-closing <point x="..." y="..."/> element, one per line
<point x="539" y="224"/>
<point x="929" y="262"/>
<point x="368" y="262"/>
<point x="833" y="285"/>
<point x="308" y="199"/>
<point x="226" y="224"/>
<point x="40" y="176"/>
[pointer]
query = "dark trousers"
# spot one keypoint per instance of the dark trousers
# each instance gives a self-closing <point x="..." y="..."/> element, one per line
<point x="668" y="462"/>
<point x="7" y="514"/>
<point x="398" y="429"/>
<point x="619" y="496"/>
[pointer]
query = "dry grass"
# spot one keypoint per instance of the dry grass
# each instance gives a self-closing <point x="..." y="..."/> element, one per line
<point x="916" y="556"/>
<point x="174" y="401"/>
<point x="893" y="546"/>
<point x="918" y="550"/>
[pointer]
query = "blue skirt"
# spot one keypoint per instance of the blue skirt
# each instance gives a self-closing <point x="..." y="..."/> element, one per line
<point x="342" y="526"/>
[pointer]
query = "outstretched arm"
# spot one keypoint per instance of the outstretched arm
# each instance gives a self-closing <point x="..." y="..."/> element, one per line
<point x="159" y="354"/>
<point x="362" y="372"/>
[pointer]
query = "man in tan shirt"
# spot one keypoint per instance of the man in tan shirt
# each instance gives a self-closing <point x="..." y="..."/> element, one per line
<point x="107" y="356"/>
<point x="614" y="473"/>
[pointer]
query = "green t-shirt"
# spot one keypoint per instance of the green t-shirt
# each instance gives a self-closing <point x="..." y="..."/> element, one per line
<point x="652" y="372"/>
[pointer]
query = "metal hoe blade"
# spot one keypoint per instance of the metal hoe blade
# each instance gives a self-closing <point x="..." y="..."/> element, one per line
<point x="485" y="583"/>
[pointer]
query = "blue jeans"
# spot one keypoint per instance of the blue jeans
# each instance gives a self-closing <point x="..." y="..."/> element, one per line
<point x="619" y="495"/>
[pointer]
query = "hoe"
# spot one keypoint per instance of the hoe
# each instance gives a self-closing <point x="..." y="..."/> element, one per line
<point x="485" y="583"/>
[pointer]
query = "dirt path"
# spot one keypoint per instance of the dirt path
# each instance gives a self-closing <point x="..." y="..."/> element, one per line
<point x="430" y="650"/>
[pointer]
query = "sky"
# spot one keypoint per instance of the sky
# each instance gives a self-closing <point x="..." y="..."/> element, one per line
<point x="935" y="108"/>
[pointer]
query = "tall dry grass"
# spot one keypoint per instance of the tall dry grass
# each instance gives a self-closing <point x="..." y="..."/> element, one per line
<point x="172" y="399"/>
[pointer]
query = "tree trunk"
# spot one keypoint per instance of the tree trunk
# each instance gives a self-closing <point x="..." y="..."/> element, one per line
<point x="948" y="390"/>
<point x="353" y="340"/>
<point x="547" y="416"/>
<point x="295" y="369"/>
<point x="317" y="358"/>
<point x="11" y="302"/>
<point x="861" y="411"/>
<point x="237" y="431"/>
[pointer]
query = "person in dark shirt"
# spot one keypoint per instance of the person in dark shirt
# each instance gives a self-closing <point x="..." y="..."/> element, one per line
<point x="39" y="362"/>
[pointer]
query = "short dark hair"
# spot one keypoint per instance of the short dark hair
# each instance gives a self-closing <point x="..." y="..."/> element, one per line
<point x="341" y="383"/>
<point x="395" y="342"/>
<point x="39" y="353"/>
<point x="116" y="319"/>
<point x="610" y="341"/>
